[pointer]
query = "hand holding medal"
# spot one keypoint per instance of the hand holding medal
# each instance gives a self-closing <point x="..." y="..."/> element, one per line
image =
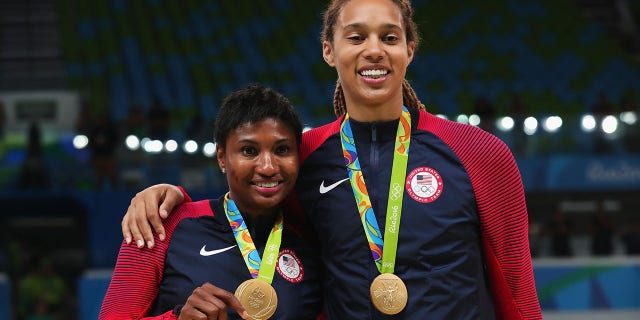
<point x="258" y="297"/>
<point x="388" y="292"/>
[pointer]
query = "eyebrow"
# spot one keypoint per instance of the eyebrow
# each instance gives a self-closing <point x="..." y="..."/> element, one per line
<point x="279" y="141"/>
<point x="359" y="25"/>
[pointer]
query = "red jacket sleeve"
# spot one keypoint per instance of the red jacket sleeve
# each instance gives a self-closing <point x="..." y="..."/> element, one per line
<point x="186" y="196"/>
<point x="504" y="225"/>
<point x="499" y="193"/>
<point x="135" y="282"/>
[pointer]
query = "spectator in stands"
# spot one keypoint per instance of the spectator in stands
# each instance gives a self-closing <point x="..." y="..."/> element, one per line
<point x="628" y="101"/>
<point x="518" y="110"/>
<point x="198" y="127"/>
<point x="631" y="134"/>
<point x="3" y="120"/>
<point x="631" y="238"/>
<point x="84" y="119"/>
<point x="627" y="27"/>
<point x="535" y="234"/>
<point x="158" y="121"/>
<point x="42" y="293"/>
<point x="34" y="173"/>
<point x="602" y="232"/>
<point x="560" y="231"/>
<point x="483" y="107"/>
<point x="601" y="108"/>
<point x="103" y="144"/>
<point x="135" y="122"/>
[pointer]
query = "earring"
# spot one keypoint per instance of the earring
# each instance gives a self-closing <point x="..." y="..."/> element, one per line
<point x="223" y="170"/>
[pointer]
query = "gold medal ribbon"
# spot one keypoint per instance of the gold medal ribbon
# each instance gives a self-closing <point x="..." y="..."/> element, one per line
<point x="384" y="259"/>
<point x="261" y="268"/>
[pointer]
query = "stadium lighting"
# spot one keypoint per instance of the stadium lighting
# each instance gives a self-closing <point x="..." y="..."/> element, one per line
<point x="609" y="124"/>
<point x="442" y="116"/>
<point x="144" y="141"/>
<point x="171" y="146"/>
<point x="552" y="124"/>
<point x="505" y="124"/>
<point x="132" y="142"/>
<point x="209" y="149"/>
<point x="80" y="141"/>
<point x="629" y="117"/>
<point x="474" y="120"/>
<point x="462" y="118"/>
<point x="153" y="146"/>
<point x="588" y="123"/>
<point x="190" y="147"/>
<point x="530" y="126"/>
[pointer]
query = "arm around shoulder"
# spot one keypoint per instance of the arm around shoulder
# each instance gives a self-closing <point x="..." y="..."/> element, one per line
<point x="135" y="283"/>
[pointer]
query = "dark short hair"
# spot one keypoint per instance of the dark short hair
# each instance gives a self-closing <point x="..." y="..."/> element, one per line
<point x="252" y="104"/>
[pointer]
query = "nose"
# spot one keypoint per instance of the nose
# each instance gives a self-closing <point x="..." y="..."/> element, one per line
<point x="374" y="50"/>
<point x="267" y="165"/>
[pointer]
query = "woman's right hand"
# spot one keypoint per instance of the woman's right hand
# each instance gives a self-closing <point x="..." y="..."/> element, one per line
<point x="145" y="212"/>
<point x="210" y="302"/>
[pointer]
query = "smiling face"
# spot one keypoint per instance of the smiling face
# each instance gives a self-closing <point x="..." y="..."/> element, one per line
<point x="261" y="162"/>
<point x="371" y="53"/>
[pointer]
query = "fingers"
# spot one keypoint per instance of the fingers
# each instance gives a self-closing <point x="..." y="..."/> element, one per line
<point x="147" y="202"/>
<point x="130" y="229"/>
<point x="232" y="301"/>
<point x="148" y="217"/>
<point x="146" y="211"/>
<point x="135" y="226"/>
<point x="172" y="197"/>
<point x="201" y="308"/>
<point x="228" y="298"/>
<point x="210" y="302"/>
<point x="126" y="232"/>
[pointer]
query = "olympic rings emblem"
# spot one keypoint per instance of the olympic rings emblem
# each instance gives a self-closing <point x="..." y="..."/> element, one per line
<point x="396" y="191"/>
<point x="423" y="189"/>
<point x="424" y="184"/>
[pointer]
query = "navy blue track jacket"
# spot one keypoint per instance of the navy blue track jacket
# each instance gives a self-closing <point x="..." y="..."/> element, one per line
<point x="463" y="250"/>
<point x="200" y="247"/>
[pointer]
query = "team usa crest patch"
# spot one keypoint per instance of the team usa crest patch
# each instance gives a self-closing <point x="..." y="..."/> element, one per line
<point x="424" y="184"/>
<point x="289" y="266"/>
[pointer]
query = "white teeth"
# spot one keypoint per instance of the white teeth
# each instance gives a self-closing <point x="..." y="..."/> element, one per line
<point x="266" y="184"/>
<point x="374" y="73"/>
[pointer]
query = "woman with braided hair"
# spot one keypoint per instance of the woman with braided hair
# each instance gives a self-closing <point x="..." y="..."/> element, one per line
<point x="417" y="217"/>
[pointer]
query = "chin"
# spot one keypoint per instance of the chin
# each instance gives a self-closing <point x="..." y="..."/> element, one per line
<point x="272" y="201"/>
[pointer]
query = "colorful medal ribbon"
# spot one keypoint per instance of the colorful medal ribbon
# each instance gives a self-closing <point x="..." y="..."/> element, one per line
<point x="384" y="259"/>
<point x="264" y="268"/>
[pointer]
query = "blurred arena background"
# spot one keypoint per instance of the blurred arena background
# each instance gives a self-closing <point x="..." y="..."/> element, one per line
<point x="100" y="99"/>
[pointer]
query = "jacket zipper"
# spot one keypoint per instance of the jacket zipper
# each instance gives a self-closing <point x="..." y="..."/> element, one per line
<point x="373" y="158"/>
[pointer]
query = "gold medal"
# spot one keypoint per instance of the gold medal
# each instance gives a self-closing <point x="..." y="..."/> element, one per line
<point x="388" y="293"/>
<point x="258" y="297"/>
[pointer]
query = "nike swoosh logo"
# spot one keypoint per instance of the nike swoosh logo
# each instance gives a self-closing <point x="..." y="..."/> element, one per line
<point x="206" y="253"/>
<point x="324" y="189"/>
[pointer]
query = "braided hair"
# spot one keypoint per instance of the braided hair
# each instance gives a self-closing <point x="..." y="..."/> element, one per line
<point x="330" y="17"/>
<point x="409" y="98"/>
